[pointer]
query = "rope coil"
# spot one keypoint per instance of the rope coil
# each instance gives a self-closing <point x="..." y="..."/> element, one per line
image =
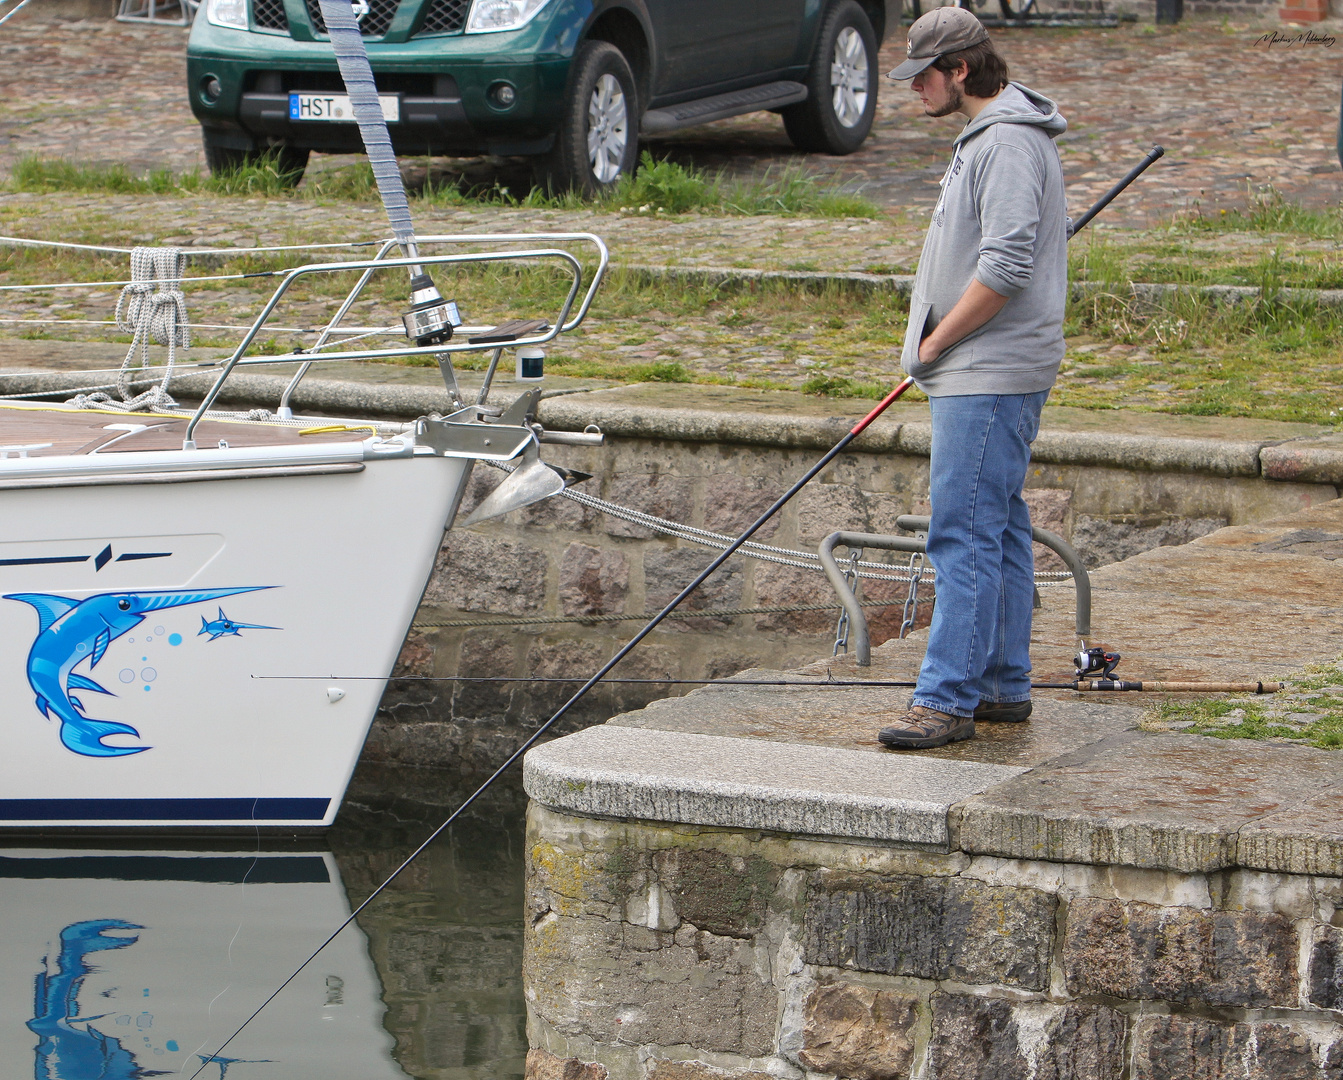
<point x="151" y="307"/>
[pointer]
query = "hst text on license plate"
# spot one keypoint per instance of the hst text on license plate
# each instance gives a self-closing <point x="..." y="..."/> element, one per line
<point x="336" y="107"/>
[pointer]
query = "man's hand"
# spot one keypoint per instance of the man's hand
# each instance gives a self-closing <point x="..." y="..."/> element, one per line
<point x="977" y="305"/>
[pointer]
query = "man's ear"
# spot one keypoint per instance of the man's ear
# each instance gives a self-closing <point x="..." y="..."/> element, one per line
<point x="961" y="73"/>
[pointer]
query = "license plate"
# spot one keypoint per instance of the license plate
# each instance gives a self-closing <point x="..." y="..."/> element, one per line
<point x="337" y="108"/>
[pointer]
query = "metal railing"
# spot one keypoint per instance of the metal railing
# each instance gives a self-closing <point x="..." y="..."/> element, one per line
<point x="862" y="643"/>
<point x="565" y="320"/>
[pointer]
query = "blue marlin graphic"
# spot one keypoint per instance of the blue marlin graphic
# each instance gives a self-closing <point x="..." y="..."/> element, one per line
<point x="68" y="1048"/>
<point x="72" y="631"/>
<point x="223" y="626"/>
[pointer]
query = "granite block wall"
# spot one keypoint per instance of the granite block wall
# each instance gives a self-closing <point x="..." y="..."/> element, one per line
<point x="560" y="561"/>
<point x="672" y="952"/>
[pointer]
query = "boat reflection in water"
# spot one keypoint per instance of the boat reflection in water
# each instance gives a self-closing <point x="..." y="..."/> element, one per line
<point x="117" y="965"/>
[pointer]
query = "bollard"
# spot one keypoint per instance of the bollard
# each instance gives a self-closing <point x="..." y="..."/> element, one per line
<point x="1169" y="11"/>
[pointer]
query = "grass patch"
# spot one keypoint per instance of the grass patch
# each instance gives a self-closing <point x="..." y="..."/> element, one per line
<point x="657" y="187"/>
<point x="1271" y="356"/>
<point x="57" y="174"/>
<point x="824" y="385"/>
<point x="1267" y="211"/>
<point x="1306" y="712"/>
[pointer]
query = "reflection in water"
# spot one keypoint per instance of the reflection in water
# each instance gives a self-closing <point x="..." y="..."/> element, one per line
<point x="446" y="938"/>
<point x="66" y="1048"/>
<point x="118" y="963"/>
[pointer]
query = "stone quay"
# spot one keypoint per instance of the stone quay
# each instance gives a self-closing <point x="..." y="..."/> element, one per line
<point x="740" y="884"/>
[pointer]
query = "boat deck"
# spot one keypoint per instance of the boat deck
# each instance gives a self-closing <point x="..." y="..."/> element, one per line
<point x="86" y="431"/>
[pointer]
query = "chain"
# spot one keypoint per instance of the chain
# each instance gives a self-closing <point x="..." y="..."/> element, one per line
<point x="853" y="581"/>
<point x="911" y="610"/>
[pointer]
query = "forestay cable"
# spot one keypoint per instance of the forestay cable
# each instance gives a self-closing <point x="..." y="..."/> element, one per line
<point x="351" y="57"/>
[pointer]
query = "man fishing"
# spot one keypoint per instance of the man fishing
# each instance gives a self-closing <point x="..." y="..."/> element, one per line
<point x="985" y="340"/>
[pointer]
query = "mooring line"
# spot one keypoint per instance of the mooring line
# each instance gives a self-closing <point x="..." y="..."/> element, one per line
<point x="594" y="620"/>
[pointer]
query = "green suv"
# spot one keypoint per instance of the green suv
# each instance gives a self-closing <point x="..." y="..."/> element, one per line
<point x="571" y="83"/>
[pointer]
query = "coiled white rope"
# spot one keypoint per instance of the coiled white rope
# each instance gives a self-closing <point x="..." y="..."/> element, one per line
<point x="152" y="306"/>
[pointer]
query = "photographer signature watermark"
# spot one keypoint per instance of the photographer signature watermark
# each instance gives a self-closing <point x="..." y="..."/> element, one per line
<point x="1301" y="37"/>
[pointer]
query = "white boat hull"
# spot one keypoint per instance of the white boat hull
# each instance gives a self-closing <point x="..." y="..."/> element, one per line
<point x="248" y="709"/>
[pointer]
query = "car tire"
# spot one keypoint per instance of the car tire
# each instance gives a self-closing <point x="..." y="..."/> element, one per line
<point x="841" y="85"/>
<point x="290" y="161"/>
<point x="598" y="138"/>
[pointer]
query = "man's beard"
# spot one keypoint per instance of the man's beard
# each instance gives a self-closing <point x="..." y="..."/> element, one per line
<point x="955" y="99"/>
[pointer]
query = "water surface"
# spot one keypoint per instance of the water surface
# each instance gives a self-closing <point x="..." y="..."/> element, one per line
<point x="124" y="959"/>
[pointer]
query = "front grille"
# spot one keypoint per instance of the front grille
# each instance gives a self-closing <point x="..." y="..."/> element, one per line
<point x="374" y="24"/>
<point x="411" y="84"/>
<point x="269" y="14"/>
<point x="444" y="17"/>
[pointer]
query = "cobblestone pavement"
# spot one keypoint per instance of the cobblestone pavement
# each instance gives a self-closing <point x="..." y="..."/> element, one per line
<point x="1232" y="112"/>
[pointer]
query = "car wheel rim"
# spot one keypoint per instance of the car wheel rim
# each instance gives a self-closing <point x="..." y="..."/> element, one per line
<point x="848" y="78"/>
<point x="608" y="129"/>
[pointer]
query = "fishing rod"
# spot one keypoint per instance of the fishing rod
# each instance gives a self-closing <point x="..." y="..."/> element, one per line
<point x="1105" y="200"/>
<point x="652" y="624"/>
<point x="1148" y="686"/>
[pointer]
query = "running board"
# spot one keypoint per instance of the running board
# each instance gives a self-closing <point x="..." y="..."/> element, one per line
<point x="773" y="95"/>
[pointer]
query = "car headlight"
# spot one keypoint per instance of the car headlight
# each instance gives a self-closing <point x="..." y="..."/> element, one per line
<point x="491" y="16"/>
<point x="227" y="13"/>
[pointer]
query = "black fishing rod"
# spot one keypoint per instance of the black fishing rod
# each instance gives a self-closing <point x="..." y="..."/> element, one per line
<point x="652" y="624"/>
<point x="1105" y="200"/>
<point x="826" y="682"/>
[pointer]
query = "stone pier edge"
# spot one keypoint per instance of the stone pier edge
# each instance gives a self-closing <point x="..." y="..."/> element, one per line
<point x="1308" y="459"/>
<point x="677" y="778"/>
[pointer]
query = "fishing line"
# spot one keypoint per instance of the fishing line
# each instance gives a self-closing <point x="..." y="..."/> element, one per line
<point x="1081" y="685"/>
<point x="624" y="651"/>
<point x="652" y="624"/>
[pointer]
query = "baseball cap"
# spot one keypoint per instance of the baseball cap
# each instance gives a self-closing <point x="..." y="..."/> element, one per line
<point x="943" y="30"/>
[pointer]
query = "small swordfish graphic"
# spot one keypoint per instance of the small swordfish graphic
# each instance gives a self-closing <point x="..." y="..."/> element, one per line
<point x="224" y="626"/>
<point x="72" y="631"/>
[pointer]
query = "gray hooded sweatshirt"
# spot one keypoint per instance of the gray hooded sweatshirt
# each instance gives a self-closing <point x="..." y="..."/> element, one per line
<point x="1001" y="220"/>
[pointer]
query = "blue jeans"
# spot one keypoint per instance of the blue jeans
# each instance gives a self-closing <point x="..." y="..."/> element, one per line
<point x="979" y="543"/>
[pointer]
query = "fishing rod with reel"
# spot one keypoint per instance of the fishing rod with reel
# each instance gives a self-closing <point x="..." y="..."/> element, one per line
<point x="349" y="46"/>
<point x="1106" y="683"/>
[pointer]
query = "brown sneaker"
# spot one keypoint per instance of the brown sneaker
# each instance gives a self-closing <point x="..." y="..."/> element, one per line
<point x="922" y="729"/>
<point x="1009" y="712"/>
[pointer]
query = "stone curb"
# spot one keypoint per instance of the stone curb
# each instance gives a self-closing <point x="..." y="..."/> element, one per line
<point x="710" y="425"/>
<point x="735" y="783"/>
<point x="1151" y="293"/>
<point x="1104" y="804"/>
<point x="1304" y="461"/>
<point x="1311" y="460"/>
<point x="737" y="277"/>
<point x="1146" y="453"/>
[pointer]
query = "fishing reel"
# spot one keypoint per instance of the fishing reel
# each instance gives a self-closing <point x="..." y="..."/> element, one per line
<point x="431" y="319"/>
<point x="1095" y="661"/>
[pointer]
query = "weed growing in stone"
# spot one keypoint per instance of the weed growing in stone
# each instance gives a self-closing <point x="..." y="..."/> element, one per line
<point x="1304" y="713"/>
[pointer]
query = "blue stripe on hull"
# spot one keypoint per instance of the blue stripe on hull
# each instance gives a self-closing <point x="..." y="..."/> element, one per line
<point x="163" y="809"/>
